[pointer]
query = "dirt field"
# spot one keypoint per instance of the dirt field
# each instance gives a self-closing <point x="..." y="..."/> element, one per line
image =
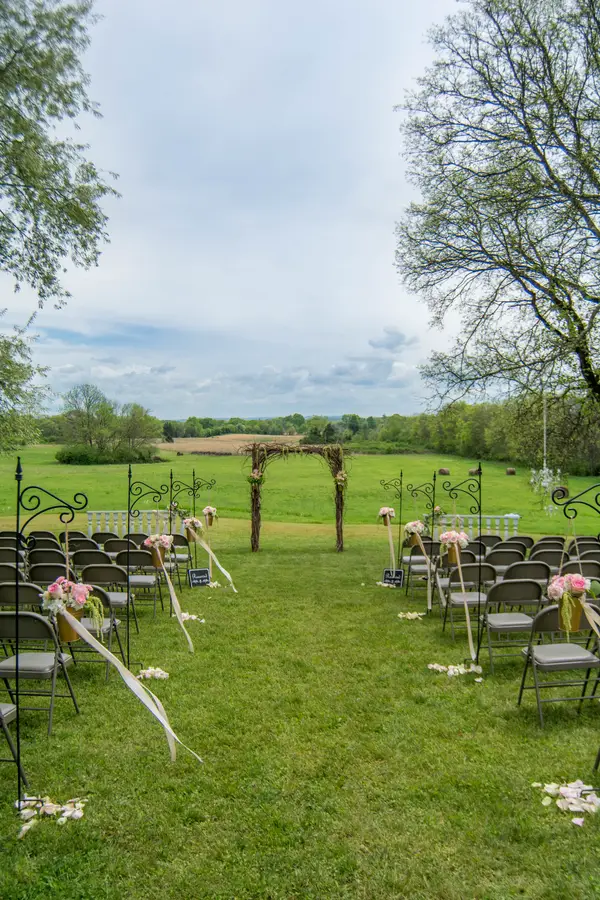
<point x="227" y="443"/>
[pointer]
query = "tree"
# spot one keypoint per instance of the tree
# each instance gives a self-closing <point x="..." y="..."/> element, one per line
<point x="170" y="432"/>
<point x="137" y="428"/>
<point x="503" y="141"/>
<point x="89" y="414"/>
<point x="50" y="193"/>
<point x="20" y="397"/>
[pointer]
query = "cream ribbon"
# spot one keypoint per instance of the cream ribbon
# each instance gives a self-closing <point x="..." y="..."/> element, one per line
<point x="429" y="565"/>
<point x="391" y="542"/>
<point x="205" y="546"/>
<point x="152" y="703"/>
<point x="176" y="605"/>
<point x="466" y="605"/>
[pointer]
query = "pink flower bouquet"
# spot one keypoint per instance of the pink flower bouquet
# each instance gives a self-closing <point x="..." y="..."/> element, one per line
<point x="454" y="539"/>
<point x="567" y="590"/>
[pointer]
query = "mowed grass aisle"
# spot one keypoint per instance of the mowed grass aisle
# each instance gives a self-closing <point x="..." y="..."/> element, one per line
<point x="336" y="765"/>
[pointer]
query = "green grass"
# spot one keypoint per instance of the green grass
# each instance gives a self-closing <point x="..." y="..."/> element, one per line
<point x="336" y="765"/>
<point x="296" y="489"/>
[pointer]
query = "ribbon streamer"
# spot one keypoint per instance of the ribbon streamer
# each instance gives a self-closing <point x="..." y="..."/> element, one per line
<point x="391" y="540"/>
<point x="152" y="703"/>
<point x="466" y="605"/>
<point x="429" y="565"/>
<point x="205" y="546"/>
<point x="176" y="606"/>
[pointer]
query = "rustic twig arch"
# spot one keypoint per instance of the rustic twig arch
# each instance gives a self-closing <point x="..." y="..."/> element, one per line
<point x="263" y="454"/>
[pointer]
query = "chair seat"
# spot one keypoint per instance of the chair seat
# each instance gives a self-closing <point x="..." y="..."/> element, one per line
<point x="118" y="599"/>
<point x="106" y="625"/>
<point x="142" y="580"/>
<point x="445" y="583"/>
<point x="32" y="665"/>
<point x="8" y="713"/>
<point x="472" y="598"/>
<point x="509" y="621"/>
<point x="419" y="570"/>
<point x="563" y="656"/>
<point x="182" y="557"/>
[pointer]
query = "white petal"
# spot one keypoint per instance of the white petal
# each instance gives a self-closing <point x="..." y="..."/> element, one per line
<point x="546" y="801"/>
<point x="578" y="822"/>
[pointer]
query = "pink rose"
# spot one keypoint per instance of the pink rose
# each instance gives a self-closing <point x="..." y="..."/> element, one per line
<point x="60" y="579"/>
<point x="55" y="589"/>
<point x="578" y="583"/>
<point x="556" y="588"/>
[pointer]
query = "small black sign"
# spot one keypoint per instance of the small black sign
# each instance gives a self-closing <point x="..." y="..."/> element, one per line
<point x="198" y="577"/>
<point x="393" y="576"/>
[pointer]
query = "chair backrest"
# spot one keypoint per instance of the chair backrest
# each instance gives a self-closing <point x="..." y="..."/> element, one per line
<point x="138" y="537"/>
<point x="504" y="557"/>
<point x="549" y="619"/>
<point x="102" y="595"/>
<point x="471" y="573"/>
<point x="517" y="592"/>
<point x="582" y="546"/>
<point x="83" y="558"/>
<point x="9" y="541"/>
<point x="29" y="595"/>
<point x="9" y="554"/>
<point x="72" y="535"/>
<point x="82" y="543"/>
<point x="467" y="557"/>
<point x="554" y="557"/>
<point x="488" y="539"/>
<point x="12" y="534"/>
<point x="589" y="568"/>
<point x="530" y="569"/>
<point x="104" y="574"/>
<point x="180" y="540"/>
<point x="45" y="573"/>
<point x="32" y="627"/>
<point x="115" y="545"/>
<point x="43" y="534"/>
<point x="591" y="554"/>
<point x="101" y="536"/>
<point x="140" y="558"/>
<point x="47" y="556"/>
<point x="521" y="539"/>
<point x="511" y="545"/>
<point x="552" y="538"/>
<point x="45" y="543"/>
<point x="477" y="547"/>
<point x="9" y="572"/>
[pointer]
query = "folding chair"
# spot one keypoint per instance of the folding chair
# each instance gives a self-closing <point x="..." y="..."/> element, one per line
<point x="29" y="595"/>
<point x="113" y="579"/>
<point x="10" y="554"/>
<point x="180" y="540"/>
<point x="45" y="543"/>
<point x="138" y="537"/>
<point x="34" y="665"/>
<point x="9" y="572"/>
<point x="40" y="557"/>
<point x="502" y="559"/>
<point x="82" y="543"/>
<point x="73" y="535"/>
<point x="512" y="545"/>
<point x="109" y="627"/>
<point x="558" y="657"/>
<point x="555" y="558"/>
<point x="8" y="714"/>
<point x="501" y="618"/>
<point x="530" y="569"/>
<point x="591" y="554"/>
<point x="101" y="536"/>
<point x="418" y="567"/>
<point x="589" y="568"/>
<point x="475" y="575"/>
<point x="44" y="574"/>
<point x="576" y="549"/>
<point x="521" y="539"/>
<point x="83" y="558"/>
<point x="490" y="540"/>
<point x="140" y="565"/>
<point x="113" y="546"/>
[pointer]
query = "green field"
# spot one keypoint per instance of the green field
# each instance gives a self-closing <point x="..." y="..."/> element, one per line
<point x="336" y="765"/>
<point x="297" y="489"/>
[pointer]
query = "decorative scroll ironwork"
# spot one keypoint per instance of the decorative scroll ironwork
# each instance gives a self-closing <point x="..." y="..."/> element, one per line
<point x="36" y="501"/>
<point x="427" y="489"/>
<point x="193" y="490"/>
<point x="396" y="484"/>
<point x="560" y="497"/>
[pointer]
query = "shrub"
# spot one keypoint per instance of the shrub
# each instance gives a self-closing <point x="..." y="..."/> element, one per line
<point x="82" y="455"/>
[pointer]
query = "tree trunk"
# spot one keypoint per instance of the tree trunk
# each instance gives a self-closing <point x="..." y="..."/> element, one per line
<point x="339" y="518"/>
<point x="255" y="515"/>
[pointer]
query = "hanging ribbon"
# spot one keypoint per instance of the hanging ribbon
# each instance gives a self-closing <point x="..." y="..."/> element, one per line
<point x="466" y="605"/>
<point x="429" y="565"/>
<point x="391" y="542"/>
<point x="176" y="606"/>
<point x="196" y="537"/>
<point x="152" y="703"/>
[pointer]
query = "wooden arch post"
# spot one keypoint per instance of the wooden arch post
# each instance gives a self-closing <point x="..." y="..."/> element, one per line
<point x="263" y="454"/>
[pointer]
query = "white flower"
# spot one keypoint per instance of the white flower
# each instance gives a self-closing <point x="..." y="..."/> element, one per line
<point x="152" y="672"/>
<point x="546" y="801"/>
<point x="578" y="822"/>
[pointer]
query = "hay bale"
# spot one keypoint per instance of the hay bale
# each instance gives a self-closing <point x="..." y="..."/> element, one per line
<point x="179" y="453"/>
<point x="511" y="471"/>
<point x="474" y="472"/>
<point x="443" y="471"/>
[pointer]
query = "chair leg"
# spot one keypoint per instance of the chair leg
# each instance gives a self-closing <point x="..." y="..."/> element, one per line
<point x="52" y="696"/>
<point x="584" y="689"/>
<point x="70" y="686"/>
<point x="597" y="763"/>
<point x="537" y="694"/>
<point x="489" y="640"/>
<point x="522" y="688"/>
<point x="118" y="637"/>
<point x="13" y="750"/>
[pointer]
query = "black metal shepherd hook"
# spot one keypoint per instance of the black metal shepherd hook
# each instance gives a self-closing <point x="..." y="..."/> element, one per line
<point x="427" y="489"/>
<point x="193" y="490"/>
<point x="471" y="488"/>
<point x="136" y="491"/>
<point x="34" y="501"/>
<point x="395" y="484"/>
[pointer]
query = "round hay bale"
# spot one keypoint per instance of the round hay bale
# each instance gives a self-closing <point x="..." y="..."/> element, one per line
<point x="179" y="453"/>
<point x="511" y="471"/>
<point x="443" y="471"/>
<point x="473" y="471"/>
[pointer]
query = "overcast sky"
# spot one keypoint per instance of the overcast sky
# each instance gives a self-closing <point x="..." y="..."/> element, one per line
<point x="251" y="264"/>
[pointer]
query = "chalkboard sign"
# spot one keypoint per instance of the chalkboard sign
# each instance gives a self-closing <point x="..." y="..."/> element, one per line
<point x="198" y="577"/>
<point x="393" y="576"/>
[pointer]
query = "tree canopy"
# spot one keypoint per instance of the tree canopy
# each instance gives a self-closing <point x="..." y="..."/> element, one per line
<point x="502" y="139"/>
<point x="50" y="193"/>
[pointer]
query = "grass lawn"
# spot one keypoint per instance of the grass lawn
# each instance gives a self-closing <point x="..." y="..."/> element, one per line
<point x="336" y="765"/>
<point x="295" y="490"/>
